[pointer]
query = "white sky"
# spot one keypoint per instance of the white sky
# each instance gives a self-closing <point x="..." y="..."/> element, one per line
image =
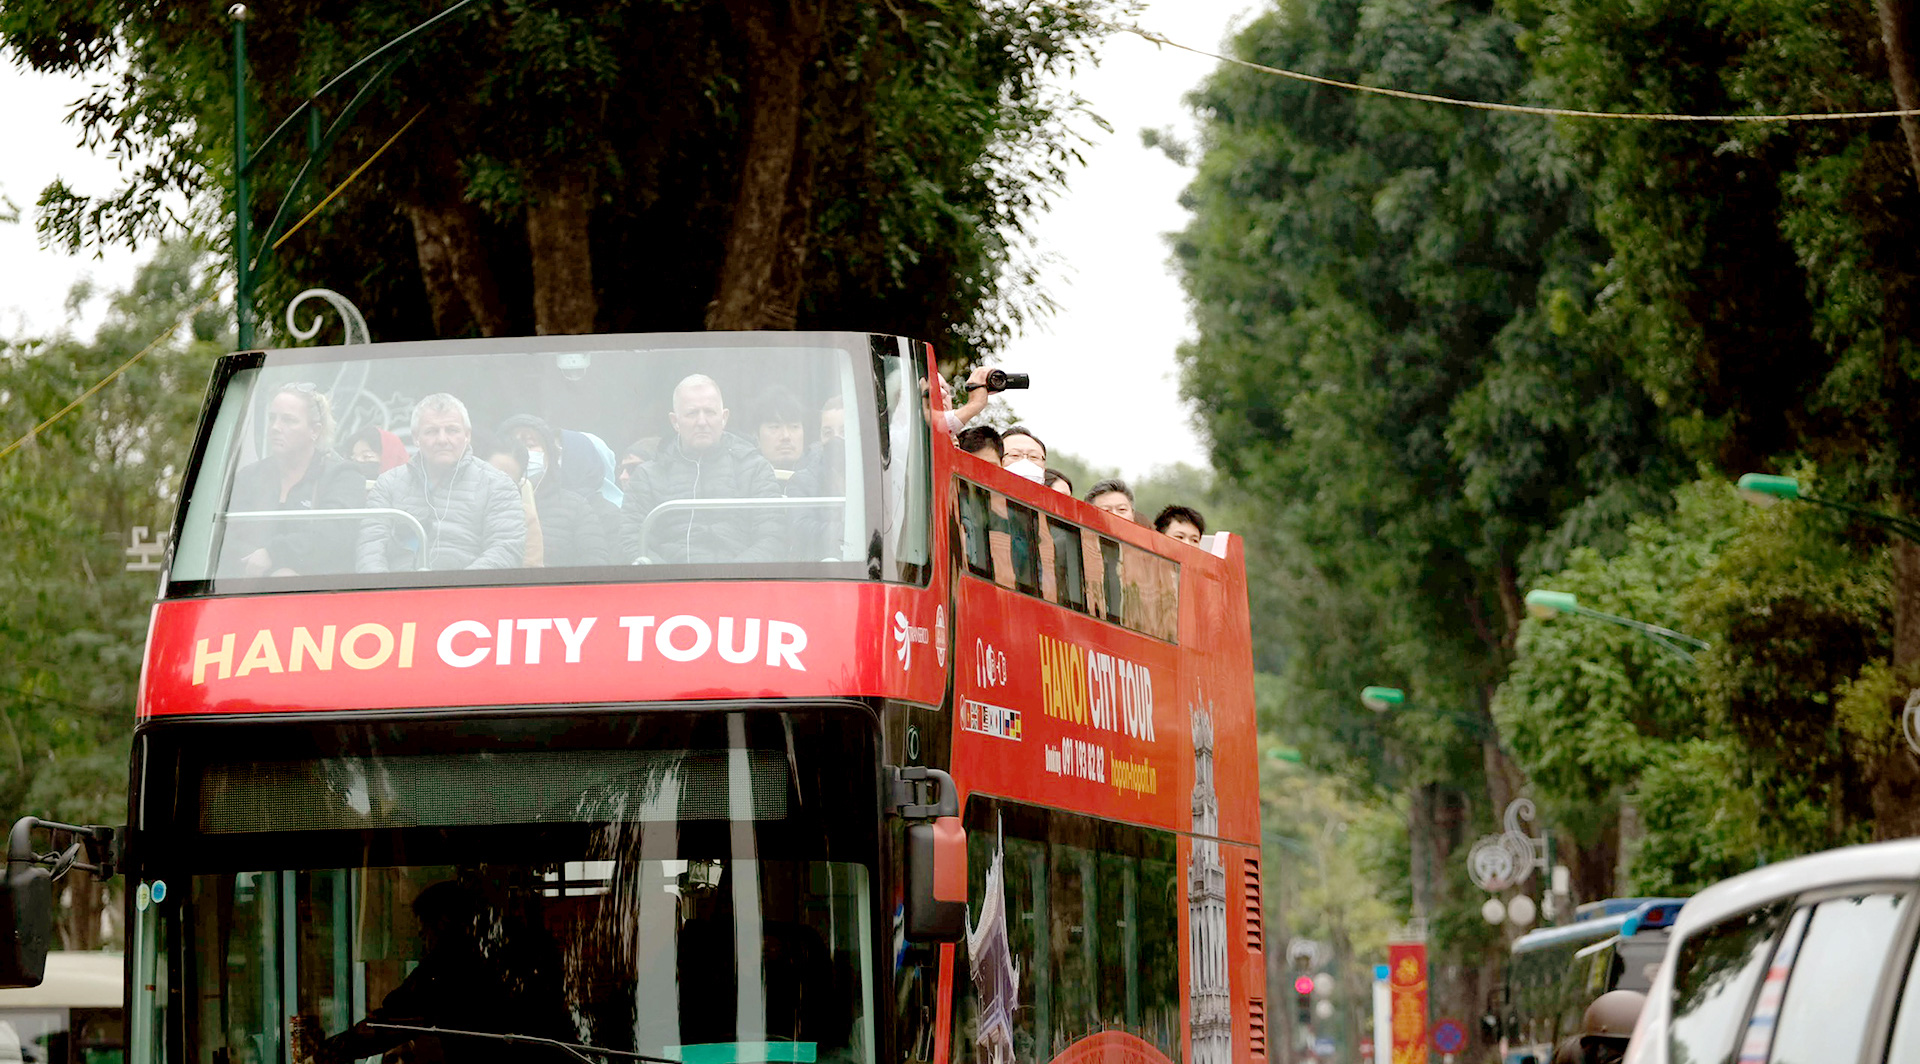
<point x="1105" y="384"/>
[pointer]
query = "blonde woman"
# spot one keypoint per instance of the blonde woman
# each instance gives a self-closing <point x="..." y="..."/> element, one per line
<point x="300" y="472"/>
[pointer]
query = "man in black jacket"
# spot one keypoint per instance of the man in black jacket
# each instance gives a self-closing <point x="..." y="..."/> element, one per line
<point x="702" y="461"/>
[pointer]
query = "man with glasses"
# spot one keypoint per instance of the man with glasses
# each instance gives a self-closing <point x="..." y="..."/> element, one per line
<point x="702" y="461"/>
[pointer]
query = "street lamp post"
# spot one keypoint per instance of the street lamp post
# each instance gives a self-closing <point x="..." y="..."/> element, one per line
<point x="364" y="76"/>
<point x="1765" y="489"/>
<point x="1546" y="605"/>
<point x="1382" y="699"/>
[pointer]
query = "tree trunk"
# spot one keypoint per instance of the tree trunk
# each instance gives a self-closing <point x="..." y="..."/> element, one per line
<point x="1896" y="772"/>
<point x="1896" y="30"/>
<point x="453" y="266"/>
<point x="1590" y="867"/>
<point x="559" y="223"/>
<point x="781" y="37"/>
<point x="1421" y="846"/>
<point x="781" y="308"/>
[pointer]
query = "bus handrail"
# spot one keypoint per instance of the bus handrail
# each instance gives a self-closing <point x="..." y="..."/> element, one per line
<point x="753" y="503"/>
<point x="303" y="515"/>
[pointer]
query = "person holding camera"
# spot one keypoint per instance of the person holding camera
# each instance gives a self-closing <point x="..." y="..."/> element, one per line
<point x="978" y="392"/>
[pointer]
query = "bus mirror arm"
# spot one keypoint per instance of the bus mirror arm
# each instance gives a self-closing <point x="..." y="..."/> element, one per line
<point x="936" y="854"/>
<point x="26" y="904"/>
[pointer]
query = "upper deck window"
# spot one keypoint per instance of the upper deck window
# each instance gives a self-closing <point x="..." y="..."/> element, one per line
<point x="1035" y="553"/>
<point x="559" y="459"/>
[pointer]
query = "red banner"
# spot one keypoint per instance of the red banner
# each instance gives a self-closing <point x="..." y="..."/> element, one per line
<point x="1407" y="982"/>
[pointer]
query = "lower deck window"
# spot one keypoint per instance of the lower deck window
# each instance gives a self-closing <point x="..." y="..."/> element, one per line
<point x="1092" y="917"/>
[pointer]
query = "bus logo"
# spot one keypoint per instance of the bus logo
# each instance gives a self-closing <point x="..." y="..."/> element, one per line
<point x="906" y="634"/>
<point x="997" y="721"/>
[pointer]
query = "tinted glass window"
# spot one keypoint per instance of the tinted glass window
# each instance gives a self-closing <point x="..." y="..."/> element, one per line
<point x="1824" y="1015"/>
<point x="976" y="518"/>
<point x="1713" y="984"/>
<point x="1069" y="583"/>
<point x="1906" y="1024"/>
<point x="1023" y="526"/>
<point x="1023" y="549"/>
<point x="1091" y="915"/>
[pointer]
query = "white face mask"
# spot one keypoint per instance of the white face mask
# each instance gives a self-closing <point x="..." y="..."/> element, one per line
<point x="536" y="463"/>
<point x="1026" y="467"/>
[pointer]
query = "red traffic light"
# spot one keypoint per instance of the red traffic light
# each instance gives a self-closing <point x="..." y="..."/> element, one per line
<point x="1303" y="985"/>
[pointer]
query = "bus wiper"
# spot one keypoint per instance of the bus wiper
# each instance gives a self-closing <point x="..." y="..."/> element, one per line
<point x="585" y="1053"/>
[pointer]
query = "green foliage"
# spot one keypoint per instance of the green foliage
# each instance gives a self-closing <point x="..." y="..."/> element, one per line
<point x="72" y="619"/>
<point x="933" y="128"/>
<point x="1588" y="707"/>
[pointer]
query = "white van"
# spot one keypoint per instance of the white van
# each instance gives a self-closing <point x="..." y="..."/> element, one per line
<point x="1802" y="962"/>
<point x="72" y="1017"/>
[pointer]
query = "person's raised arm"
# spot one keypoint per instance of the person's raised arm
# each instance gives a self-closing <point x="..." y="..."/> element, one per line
<point x="977" y="398"/>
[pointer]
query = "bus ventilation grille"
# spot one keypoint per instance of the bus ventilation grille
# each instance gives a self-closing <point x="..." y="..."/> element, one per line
<point x="1256" y="926"/>
<point x="1257" y="1028"/>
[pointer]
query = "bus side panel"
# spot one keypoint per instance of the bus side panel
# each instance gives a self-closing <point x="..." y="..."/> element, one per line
<point x="1246" y="934"/>
<point x="1220" y="680"/>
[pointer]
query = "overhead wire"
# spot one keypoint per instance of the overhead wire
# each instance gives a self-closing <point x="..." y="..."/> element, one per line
<point x="1504" y="108"/>
<point x="111" y="377"/>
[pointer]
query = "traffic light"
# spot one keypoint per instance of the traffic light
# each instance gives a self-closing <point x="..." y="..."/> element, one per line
<point x="1303" y="993"/>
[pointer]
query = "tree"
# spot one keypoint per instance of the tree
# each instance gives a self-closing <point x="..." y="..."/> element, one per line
<point x="605" y="165"/>
<point x="1767" y="279"/>
<point x="73" y="620"/>
<point x="1394" y="369"/>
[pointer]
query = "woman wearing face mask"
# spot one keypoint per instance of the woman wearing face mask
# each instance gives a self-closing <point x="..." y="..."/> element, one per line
<point x="1022" y="453"/>
<point x="572" y="525"/>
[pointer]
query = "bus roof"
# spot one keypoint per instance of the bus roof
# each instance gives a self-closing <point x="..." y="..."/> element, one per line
<point x="1647" y="913"/>
<point x="74" y="980"/>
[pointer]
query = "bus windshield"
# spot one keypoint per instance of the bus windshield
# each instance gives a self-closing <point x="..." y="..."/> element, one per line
<point x="558" y="459"/>
<point x="697" y="889"/>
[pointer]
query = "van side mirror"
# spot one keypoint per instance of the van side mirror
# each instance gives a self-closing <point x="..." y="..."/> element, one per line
<point x="936" y="857"/>
<point x="26" y="902"/>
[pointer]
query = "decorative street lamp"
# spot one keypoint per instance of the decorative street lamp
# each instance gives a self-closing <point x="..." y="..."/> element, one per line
<point x="1765" y="489"/>
<point x="1546" y="605"/>
<point x="1381" y="699"/>
<point x="363" y="77"/>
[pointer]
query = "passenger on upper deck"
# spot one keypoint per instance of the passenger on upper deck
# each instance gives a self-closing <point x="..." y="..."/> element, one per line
<point x="780" y="432"/>
<point x="574" y="522"/>
<point x="1183" y="523"/>
<point x="980" y="441"/>
<point x="833" y="419"/>
<point x="1058" y="481"/>
<point x="1022" y="454"/>
<point x="637" y="454"/>
<point x="1113" y="496"/>
<point x="300" y="472"/>
<point x="470" y="510"/>
<point x="702" y="461"/>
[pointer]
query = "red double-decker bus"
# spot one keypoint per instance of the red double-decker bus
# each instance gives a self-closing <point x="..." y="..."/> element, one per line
<point x="430" y="767"/>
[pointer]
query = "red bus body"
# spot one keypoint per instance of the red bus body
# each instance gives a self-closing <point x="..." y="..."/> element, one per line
<point x="1043" y="714"/>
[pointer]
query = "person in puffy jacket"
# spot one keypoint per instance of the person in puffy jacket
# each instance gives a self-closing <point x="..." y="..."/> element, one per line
<point x="471" y="511"/>
<point x="702" y="461"/>
<point x="575" y="524"/>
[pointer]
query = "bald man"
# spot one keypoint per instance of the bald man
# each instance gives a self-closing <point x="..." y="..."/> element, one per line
<point x="702" y="460"/>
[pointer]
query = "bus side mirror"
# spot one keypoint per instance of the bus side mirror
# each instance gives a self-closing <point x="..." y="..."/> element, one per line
<point x="936" y="886"/>
<point x="26" y="925"/>
<point x="937" y="880"/>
